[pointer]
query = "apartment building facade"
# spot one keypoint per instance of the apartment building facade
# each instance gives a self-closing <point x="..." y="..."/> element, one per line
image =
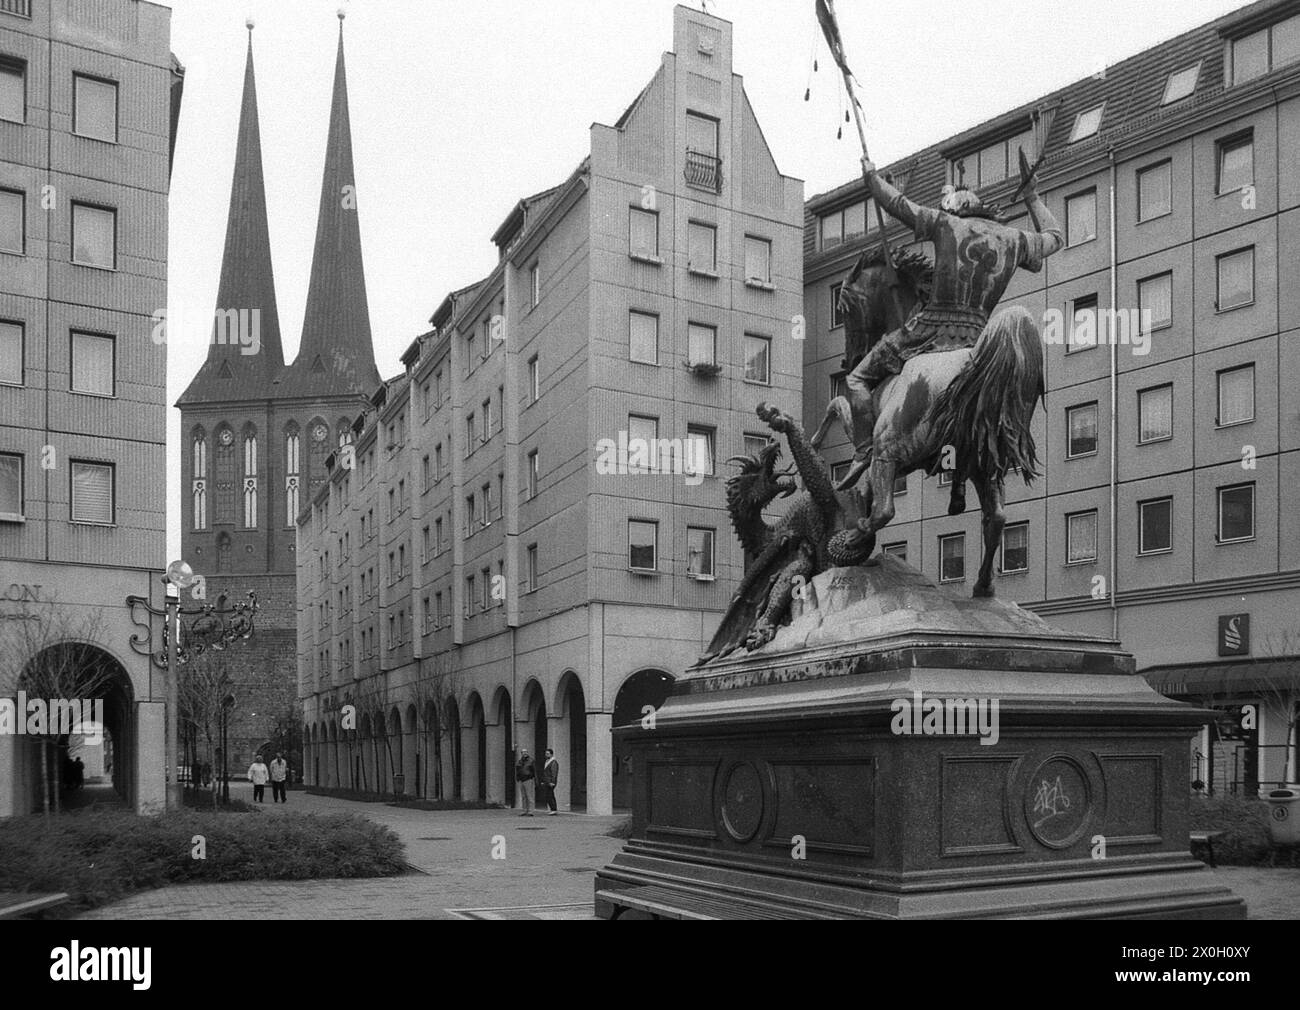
<point x="517" y="577"/>
<point x="89" y="102"/>
<point x="1170" y="432"/>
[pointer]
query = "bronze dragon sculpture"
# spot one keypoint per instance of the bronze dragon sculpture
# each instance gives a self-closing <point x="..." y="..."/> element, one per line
<point x="817" y="532"/>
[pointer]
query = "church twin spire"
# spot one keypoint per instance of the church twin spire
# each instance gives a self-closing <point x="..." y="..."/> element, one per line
<point x="336" y="354"/>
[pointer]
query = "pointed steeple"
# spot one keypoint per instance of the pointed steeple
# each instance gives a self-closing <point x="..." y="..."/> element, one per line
<point x="336" y="355"/>
<point x="244" y="351"/>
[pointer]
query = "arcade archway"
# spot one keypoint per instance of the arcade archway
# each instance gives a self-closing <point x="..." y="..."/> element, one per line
<point x="644" y="689"/>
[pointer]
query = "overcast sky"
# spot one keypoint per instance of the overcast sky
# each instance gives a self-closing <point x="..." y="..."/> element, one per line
<point x="458" y="109"/>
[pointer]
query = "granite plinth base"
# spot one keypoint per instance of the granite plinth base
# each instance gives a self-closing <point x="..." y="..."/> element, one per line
<point x="821" y="781"/>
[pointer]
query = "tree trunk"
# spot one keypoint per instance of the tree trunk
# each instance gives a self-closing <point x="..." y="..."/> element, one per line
<point x="45" y="776"/>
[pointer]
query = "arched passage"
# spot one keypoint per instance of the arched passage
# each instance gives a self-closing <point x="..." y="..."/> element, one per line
<point x="431" y="753"/>
<point x="645" y="688"/>
<point x="570" y="742"/>
<point x="101" y="733"/>
<point x="411" y="749"/>
<point x="453" y="759"/>
<point x="475" y="751"/>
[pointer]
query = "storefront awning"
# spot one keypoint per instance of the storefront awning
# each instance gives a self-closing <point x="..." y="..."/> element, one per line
<point x="1240" y="677"/>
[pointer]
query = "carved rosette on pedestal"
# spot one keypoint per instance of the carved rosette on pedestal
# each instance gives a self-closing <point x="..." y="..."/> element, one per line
<point x="899" y="753"/>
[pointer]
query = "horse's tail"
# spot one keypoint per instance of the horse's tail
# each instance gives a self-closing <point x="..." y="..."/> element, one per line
<point x="985" y="412"/>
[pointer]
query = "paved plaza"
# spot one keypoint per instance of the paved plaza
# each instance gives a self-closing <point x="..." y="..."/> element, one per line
<point x="547" y="873"/>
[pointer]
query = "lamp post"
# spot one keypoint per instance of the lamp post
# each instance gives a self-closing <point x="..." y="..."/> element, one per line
<point x="179" y="577"/>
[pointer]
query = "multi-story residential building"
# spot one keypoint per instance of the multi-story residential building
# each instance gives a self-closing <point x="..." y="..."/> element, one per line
<point x="89" y="102"/>
<point x="515" y="580"/>
<point x="257" y="432"/>
<point x="1170" y="434"/>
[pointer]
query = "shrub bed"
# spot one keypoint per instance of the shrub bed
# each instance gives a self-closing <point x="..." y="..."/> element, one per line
<point x="99" y="856"/>
<point x="1244" y="821"/>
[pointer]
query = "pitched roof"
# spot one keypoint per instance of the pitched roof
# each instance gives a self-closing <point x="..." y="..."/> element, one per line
<point x="336" y="356"/>
<point x="1131" y="93"/>
<point x="247" y="284"/>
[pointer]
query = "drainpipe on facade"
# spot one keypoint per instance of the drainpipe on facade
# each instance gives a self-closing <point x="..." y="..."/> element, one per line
<point x="1114" y="403"/>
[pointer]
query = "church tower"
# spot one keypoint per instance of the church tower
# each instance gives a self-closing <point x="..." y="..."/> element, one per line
<point x="257" y="433"/>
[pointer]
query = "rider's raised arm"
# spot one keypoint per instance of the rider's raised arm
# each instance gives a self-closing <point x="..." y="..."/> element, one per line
<point x="920" y="219"/>
<point x="1047" y="238"/>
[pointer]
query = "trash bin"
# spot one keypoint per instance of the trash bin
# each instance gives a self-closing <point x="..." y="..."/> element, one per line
<point x="1284" y="816"/>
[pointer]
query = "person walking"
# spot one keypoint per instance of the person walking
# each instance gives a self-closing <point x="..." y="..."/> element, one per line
<point x="525" y="772"/>
<point x="258" y="774"/>
<point x="279" y="778"/>
<point x="550" y="778"/>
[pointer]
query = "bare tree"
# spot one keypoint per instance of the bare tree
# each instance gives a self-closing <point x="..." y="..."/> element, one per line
<point x="48" y="652"/>
<point x="445" y="688"/>
<point x="202" y="689"/>
<point x="1278" y="675"/>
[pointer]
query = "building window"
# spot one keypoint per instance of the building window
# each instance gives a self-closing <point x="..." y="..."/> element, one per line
<point x="250" y="480"/>
<point x="1081" y="218"/>
<point x="469" y="515"/>
<point x="1156" y="302"/>
<point x="701" y="247"/>
<point x="1081" y="422"/>
<point x="292" y="476"/>
<point x="437" y="536"/>
<point x="1087" y="123"/>
<point x="643" y="233"/>
<point x="701" y="344"/>
<point x="699" y="552"/>
<point x="700" y="451"/>
<point x="1155" y="414"/>
<point x="992" y="163"/>
<point x="471" y="349"/>
<point x="1236" y="279"/>
<point x="1081" y="537"/>
<point x="1236" y="513"/>
<point x="900" y="486"/>
<point x="11" y="487"/>
<point x="832" y="230"/>
<point x="469" y="434"/>
<point x="643" y="447"/>
<point x="1236" y="396"/>
<point x="1015" y="548"/>
<point x="642" y="545"/>
<point x="836" y="313"/>
<point x="754" y="443"/>
<point x="1236" y="163"/>
<point x="758" y="359"/>
<point x="531" y="568"/>
<point x="1181" y="84"/>
<point x="486" y="433"/>
<point x="94" y="108"/>
<point x="92" y="364"/>
<point x="13" y="226"/>
<point x="758" y="259"/>
<point x="533" y="476"/>
<point x="485" y="586"/>
<point x="426" y="473"/>
<point x="199" y="480"/>
<point x="438" y="470"/>
<point x="703" y="166"/>
<point x="94" y="236"/>
<point x="11" y="353"/>
<point x="845" y="225"/>
<point x="643" y="337"/>
<point x="485" y="519"/>
<point x="534" y="380"/>
<point x="1083" y="324"/>
<point x="1267" y="49"/>
<point x="13" y="90"/>
<point x="1155" y="191"/>
<point x="93" y="492"/>
<point x="952" y="558"/>
<point x="1155" y="525"/>
<point x="896" y="550"/>
<point x="839" y="471"/>
<point x="534" y="288"/>
<point x="945" y="478"/>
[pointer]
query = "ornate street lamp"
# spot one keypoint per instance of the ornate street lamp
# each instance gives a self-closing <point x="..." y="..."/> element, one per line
<point x="188" y="633"/>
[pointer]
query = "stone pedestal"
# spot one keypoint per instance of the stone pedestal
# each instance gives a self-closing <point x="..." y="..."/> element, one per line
<point x="896" y="753"/>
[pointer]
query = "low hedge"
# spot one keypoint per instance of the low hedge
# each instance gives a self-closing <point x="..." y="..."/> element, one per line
<point x="100" y="856"/>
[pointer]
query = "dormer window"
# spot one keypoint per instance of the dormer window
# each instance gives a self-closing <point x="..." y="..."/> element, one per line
<point x="1181" y="84"/>
<point x="1265" y="50"/>
<point x="1087" y="123"/>
<point x="992" y="163"/>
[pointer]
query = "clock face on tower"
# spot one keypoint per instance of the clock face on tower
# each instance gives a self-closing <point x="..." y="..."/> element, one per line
<point x="227" y="437"/>
<point x="319" y="432"/>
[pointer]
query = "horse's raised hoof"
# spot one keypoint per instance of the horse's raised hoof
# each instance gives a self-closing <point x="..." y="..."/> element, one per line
<point x="982" y="593"/>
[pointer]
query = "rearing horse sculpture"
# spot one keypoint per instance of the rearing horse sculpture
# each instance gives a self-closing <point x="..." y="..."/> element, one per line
<point x="969" y="407"/>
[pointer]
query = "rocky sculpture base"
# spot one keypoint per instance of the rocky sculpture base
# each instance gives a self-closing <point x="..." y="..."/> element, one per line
<point x="833" y="774"/>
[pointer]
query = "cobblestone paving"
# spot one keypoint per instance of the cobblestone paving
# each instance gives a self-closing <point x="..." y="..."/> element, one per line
<point x="547" y="874"/>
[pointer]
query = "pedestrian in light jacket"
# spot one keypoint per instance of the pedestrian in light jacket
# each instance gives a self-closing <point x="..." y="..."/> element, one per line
<point x="279" y="777"/>
<point x="258" y="774"/>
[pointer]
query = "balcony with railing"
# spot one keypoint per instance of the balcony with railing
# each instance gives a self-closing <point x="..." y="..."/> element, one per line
<point x="19" y="8"/>
<point x="703" y="171"/>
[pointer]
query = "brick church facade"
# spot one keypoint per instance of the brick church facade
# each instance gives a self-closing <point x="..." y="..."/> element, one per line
<point x="257" y="432"/>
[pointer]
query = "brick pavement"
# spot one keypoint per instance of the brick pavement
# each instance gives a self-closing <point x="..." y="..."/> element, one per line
<point x="547" y="873"/>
